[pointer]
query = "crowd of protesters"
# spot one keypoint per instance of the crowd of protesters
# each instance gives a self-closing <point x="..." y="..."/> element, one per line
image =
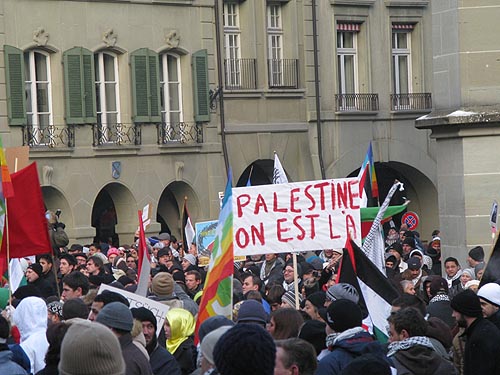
<point x="57" y="323"/>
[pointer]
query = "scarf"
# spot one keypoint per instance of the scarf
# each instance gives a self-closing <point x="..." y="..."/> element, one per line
<point x="439" y="297"/>
<point x="266" y="269"/>
<point x="335" y="337"/>
<point x="451" y="280"/>
<point x="408" y="343"/>
<point x="290" y="287"/>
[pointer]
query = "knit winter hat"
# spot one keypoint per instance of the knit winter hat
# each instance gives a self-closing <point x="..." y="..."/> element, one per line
<point x="252" y="311"/>
<point x="467" y="303"/>
<point x="289" y="298"/>
<point x="409" y="241"/>
<point x="342" y="291"/>
<point x="313" y="331"/>
<point x="55" y="308"/>
<point x="477" y="253"/>
<point x="470" y="272"/>
<point x="211" y="324"/>
<point x="233" y="357"/>
<point x="209" y="341"/>
<point x="162" y="284"/>
<point x="490" y="293"/>
<point x="190" y="258"/>
<point x="91" y="349"/>
<point x="116" y="315"/>
<point x="317" y="299"/>
<point x="343" y="314"/>
<point x="144" y="315"/>
<point x="438" y="284"/>
<point x="75" y="308"/>
<point x="37" y="268"/>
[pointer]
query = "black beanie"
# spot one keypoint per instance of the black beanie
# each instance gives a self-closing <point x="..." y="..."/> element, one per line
<point x="343" y="314"/>
<point x="477" y="253"/>
<point x="37" y="268"/>
<point x="144" y="315"/>
<point x="317" y="299"/>
<point x="246" y="349"/>
<point x="313" y="331"/>
<point x="467" y="303"/>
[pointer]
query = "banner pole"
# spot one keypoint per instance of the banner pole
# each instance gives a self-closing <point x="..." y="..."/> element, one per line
<point x="295" y="281"/>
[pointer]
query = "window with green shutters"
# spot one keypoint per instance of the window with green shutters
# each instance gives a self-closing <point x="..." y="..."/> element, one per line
<point x="201" y="86"/>
<point x="79" y="86"/>
<point x="145" y="86"/>
<point x="14" y="71"/>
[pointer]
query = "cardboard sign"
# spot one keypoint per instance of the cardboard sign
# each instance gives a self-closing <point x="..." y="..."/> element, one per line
<point x="296" y="216"/>
<point x="158" y="309"/>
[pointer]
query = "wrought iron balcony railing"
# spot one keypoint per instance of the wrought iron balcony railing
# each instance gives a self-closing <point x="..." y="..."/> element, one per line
<point x="411" y="102"/>
<point x="356" y="102"/>
<point x="180" y="133"/>
<point x="51" y="136"/>
<point x="283" y="73"/>
<point x="118" y="134"/>
<point x="241" y="74"/>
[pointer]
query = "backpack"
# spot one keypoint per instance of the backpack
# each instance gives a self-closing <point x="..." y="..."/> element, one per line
<point x="58" y="236"/>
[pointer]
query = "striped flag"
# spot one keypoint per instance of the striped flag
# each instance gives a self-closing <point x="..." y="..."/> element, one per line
<point x="375" y="291"/>
<point x="368" y="187"/>
<point x="7" y="187"/>
<point x="144" y="264"/>
<point x="217" y="295"/>
<point x="374" y="244"/>
<point x="189" y="232"/>
<point x="279" y="175"/>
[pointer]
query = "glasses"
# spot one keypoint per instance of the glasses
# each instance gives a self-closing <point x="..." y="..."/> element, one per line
<point x="287" y="271"/>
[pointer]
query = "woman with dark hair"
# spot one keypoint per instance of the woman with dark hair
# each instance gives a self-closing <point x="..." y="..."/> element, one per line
<point x="55" y="334"/>
<point x="285" y="323"/>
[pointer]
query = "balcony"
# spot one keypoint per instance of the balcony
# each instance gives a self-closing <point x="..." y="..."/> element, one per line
<point x="241" y="74"/>
<point x="283" y="73"/>
<point x="356" y="102"/>
<point x="411" y="102"/>
<point x="119" y="134"/>
<point x="179" y="133"/>
<point x="51" y="136"/>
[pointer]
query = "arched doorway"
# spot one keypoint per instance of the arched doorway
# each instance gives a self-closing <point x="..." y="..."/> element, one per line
<point x="55" y="200"/>
<point x="418" y="188"/>
<point x="114" y="213"/>
<point x="260" y="172"/>
<point x="171" y="205"/>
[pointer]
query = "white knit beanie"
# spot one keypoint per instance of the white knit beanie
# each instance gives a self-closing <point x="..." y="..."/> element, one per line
<point x="491" y="293"/>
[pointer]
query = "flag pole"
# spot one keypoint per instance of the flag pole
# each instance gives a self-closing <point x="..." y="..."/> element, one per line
<point x="295" y="281"/>
<point x="8" y="251"/>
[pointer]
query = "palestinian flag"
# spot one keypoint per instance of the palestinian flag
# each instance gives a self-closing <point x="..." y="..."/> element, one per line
<point x="368" y="215"/>
<point x="375" y="291"/>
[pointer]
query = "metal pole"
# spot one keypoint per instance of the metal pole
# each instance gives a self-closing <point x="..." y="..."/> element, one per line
<point x="220" y="79"/>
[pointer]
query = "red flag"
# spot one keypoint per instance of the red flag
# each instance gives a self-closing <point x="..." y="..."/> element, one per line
<point x="25" y="219"/>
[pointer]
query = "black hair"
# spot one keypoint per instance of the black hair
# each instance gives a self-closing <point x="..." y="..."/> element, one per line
<point x="409" y="319"/>
<point x="77" y="280"/>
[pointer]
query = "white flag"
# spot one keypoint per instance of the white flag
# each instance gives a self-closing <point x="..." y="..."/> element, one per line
<point x="279" y="176"/>
<point x="374" y="244"/>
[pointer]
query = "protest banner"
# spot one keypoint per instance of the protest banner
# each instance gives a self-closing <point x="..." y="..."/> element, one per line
<point x="296" y="216"/>
<point x="158" y="309"/>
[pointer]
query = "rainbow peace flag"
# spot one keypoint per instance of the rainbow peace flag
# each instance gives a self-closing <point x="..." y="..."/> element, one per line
<point x="217" y="298"/>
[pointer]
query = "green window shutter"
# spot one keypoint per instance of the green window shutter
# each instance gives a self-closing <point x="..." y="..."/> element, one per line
<point x="145" y="86"/>
<point x="16" y="99"/>
<point x="201" y="86"/>
<point x="79" y="86"/>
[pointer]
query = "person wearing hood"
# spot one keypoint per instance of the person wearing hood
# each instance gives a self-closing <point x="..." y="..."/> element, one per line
<point x="30" y="317"/>
<point x="161" y="361"/>
<point x="466" y="276"/>
<point x="346" y="339"/>
<point x="410" y="350"/>
<point x="179" y="329"/>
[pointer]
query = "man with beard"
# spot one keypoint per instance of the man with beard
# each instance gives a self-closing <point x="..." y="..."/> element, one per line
<point x="482" y="345"/>
<point x="161" y="361"/>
